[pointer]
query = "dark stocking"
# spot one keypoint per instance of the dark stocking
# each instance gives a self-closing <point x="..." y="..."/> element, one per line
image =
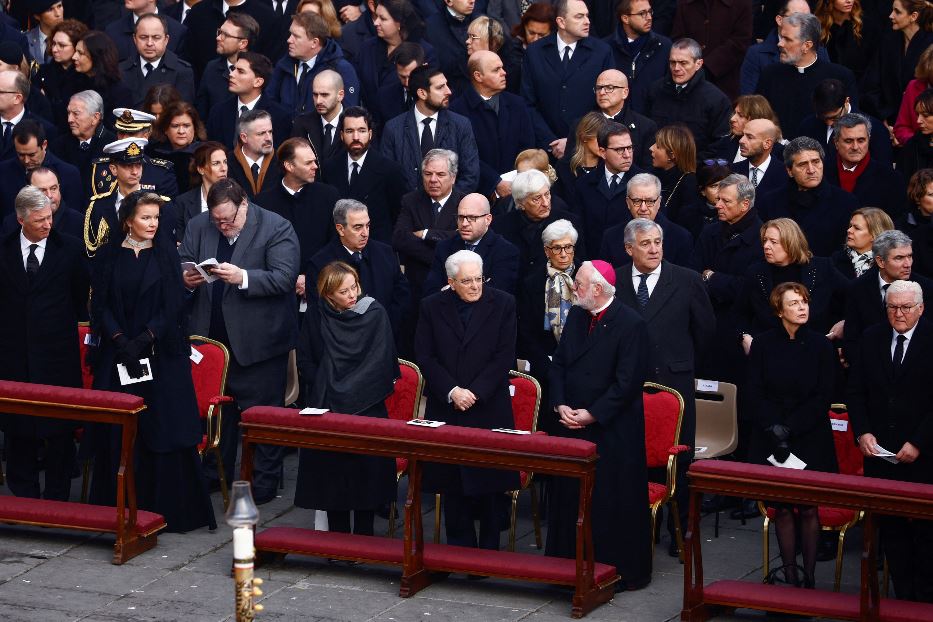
<point x="809" y="539"/>
<point x="784" y="528"/>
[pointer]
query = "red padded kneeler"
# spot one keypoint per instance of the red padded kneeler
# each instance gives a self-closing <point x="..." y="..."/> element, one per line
<point x="67" y="515"/>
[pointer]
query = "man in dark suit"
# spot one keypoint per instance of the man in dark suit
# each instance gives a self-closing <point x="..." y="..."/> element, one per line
<point x="235" y="35"/>
<point x="687" y="97"/>
<point x="245" y="89"/>
<point x="596" y="381"/>
<point x="600" y="196"/>
<point x="855" y="169"/>
<point x="394" y="98"/>
<point x="534" y="211"/>
<point x="612" y="90"/>
<point x="639" y="49"/>
<point x="154" y="63"/>
<point x="319" y="125"/>
<point x="364" y="174"/>
<point x="558" y="70"/>
<point x="446" y="30"/>
<point x="86" y="139"/>
<point x="13" y="110"/>
<point x="380" y="274"/>
<point x="500" y="120"/>
<point x="250" y="308"/>
<point x="822" y="210"/>
<point x="889" y="401"/>
<point x="179" y="11"/>
<point x="122" y="31"/>
<point x="681" y="323"/>
<point x="31" y="148"/>
<point x="302" y="201"/>
<point x="409" y="136"/>
<point x="209" y="15"/>
<point x="830" y="103"/>
<point x="65" y="220"/>
<point x="642" y="197"/>
<point x="865" y="299"/>
<point x="45" y="288"/>
<point x="252" y="161"/>
<point x="500" y="257"/>
<point x="761" y="165"/>
<point x="465" y="347"/>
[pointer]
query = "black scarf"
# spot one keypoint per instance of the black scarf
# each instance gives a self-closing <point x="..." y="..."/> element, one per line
<point x="359" y="365"/>
<point x="730" y="231"/>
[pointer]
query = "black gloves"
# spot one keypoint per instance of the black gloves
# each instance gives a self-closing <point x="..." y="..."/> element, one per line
<point x="779" y="436"/>
<point x="129" y="351"/>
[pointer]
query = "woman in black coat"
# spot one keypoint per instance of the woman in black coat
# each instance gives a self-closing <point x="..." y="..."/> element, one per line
<point x="790" y="382"/>
<point x="673" y="161"/>
<point x="138" y="312"/>
<point x="856" y="257"/>
<point x="788" y="259"/>
<point x="97" y="61"/>
<point x="917" y="153"/>
<point x="58" y="77"/>
<point x="347" y="356"/>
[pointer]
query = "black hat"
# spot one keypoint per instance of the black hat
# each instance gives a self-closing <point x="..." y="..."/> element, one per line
<point x="11" y="53"/>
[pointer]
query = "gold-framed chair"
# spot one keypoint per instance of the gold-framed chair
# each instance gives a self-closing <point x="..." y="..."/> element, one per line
<point x="403" y="405"/>
<point x="664" y="412"/>
<point x="850" y="461"/>
<point x="209" y="375"/>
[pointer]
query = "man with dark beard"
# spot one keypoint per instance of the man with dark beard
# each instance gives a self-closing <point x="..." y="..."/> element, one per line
<point x="366" y="175"/>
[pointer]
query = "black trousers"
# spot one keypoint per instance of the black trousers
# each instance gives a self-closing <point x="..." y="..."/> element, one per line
<point x="461" y="512"/>
<point x="259" y="384"/>
<point x="22" y="467"/>
<point x="908" y="547"/>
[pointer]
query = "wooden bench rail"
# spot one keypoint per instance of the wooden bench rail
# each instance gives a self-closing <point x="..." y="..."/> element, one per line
<point x="873" y="496"/>
<point x="37" y="400"/>
<point x="593" y="583"/>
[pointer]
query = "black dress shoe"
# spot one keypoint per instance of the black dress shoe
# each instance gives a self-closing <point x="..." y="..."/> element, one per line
<point x="672" y="549"/>
<point x="748" y="509"/>
<point x="263" y="495"/>
<point x="632" y="586"/>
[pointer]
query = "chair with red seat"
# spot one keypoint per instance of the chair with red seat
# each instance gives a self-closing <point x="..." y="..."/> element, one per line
<point x="526" y="402"/>
<point x="403" y="404"/>
<point x="210" y="380"/>
<point x="664" y="411"/>
<point x="850" y="461"/>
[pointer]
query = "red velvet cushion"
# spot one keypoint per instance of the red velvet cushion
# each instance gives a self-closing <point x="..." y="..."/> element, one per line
<point x="28" y="392"/>
<point x="448" y="558"/>
<point x="848" y="456"/>
<point x="87" y="378"/>
<point x="209" y="374"/>
<point x="447" y="434"/>
<point x="656" y="492"/>
<point x="856" y="483"/>
<point x="524" y="403"/>
<point x="330" y="544"/>
<point x="662" y="412"/>
<point x="904" y="611"/>
<point x="781" y="598"/>
<point x="401" y="403"/>
<point x="835" y="517"/>
<point x="72" y="515"/>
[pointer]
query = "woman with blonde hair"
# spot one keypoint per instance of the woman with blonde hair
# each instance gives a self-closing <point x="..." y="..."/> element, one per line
<point x="674" y="162"/>
<point x="865" y="224"/>
<point x="585" y="156"/>
<point x="324" y="8"/>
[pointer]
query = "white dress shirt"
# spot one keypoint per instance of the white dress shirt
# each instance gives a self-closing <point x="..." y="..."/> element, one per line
<point x="652" y="280"/>
<point x="24" y="245"/>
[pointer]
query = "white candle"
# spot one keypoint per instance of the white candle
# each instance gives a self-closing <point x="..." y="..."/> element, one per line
<point x="242" y="543"/>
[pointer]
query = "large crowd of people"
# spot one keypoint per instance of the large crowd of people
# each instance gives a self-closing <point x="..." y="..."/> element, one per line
<point x="609" y="192"/>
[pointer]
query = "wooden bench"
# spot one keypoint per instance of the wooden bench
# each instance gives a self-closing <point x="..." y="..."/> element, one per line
<point x="593" y="583"/>
<point x="135" y="530"/>
<point x="873" y="496"/>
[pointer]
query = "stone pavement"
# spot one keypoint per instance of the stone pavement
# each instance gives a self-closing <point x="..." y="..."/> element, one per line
<point x="51" y="576"/>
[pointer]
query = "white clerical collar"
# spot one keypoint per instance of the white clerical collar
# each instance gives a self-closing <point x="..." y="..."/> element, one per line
<point x="604" y="307"/>
<point x="805" y="67"/>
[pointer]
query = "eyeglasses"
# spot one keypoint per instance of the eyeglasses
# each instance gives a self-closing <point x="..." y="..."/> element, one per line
<point x="904" y="309"/>
<point x="640" y="202"/>
<point x="227" y="221"/>
<point x="477" y="280"/>
<point x="566" y="249"/>
<point x="223" y="34"/>
<point x="608" y="89"/>
<point x="470" y="219"/>
<point x="718" y="161"/>
<point x="621" y="150"/>
<point x="642" y="14"/>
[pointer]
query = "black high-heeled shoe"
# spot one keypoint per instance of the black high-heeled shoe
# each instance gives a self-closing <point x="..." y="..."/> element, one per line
<point x="809" y="582"/>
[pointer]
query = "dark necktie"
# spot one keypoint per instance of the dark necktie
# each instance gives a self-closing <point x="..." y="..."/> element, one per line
<point x="437" y="207"/>
<point x="427" y="138"/>
<point x="755" y="176"/>
<point x="565" y="61"/>
<point x="7" y="132"/>
<point x="328" y="134"/>
<point x="357" y="258"/>
<point x="85" y="145"/>
<point x="303" y="81"/>
<point x="678" y="88"/>
<point x="148" y="69"/>
<point x="642" y="294"/>
<point x="470" y="247"/>
<point x="255" y="169"/>
<point x="280" y="8"/>
<point x="229" y="69"/>
<point x="243" y="110"/>
<point x="614" y="185"/>
<point x="898" y="359"/>
<point x="884" y="296"/>
<point x="32" y="262"/>
<point x="354" y="173"/>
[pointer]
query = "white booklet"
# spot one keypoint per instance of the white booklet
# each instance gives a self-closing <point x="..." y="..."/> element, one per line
<point x="792" y="462"/>
<point x="425" y="423"/>
<point x="202" y="268"/>
<point x="884" y="454"/>
<point x="125" y="377"/>
<point x="312" y="411"/>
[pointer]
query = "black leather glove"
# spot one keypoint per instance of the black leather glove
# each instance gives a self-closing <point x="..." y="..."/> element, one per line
<point x="128" y="355"/>
<point x="780" y="434"/>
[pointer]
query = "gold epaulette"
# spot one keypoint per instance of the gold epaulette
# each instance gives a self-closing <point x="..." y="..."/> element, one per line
<point x="92" y="241"/>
